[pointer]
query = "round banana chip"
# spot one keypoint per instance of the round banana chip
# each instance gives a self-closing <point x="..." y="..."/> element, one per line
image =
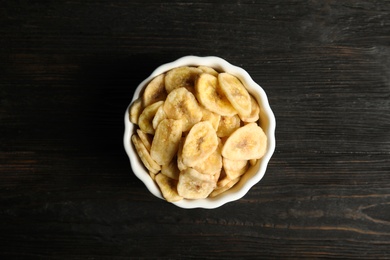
<point x="145" y="120"/>
<point x="224" y="188"/>
<point x="200" y="143"/>
<point x="166" y="141"/>
<point x="210" y="95"/>
<point x="171" y="169"/>
<point x="154" y="91"/>
<point x="236" y="173"/>
<point x="181" y="77"/>
<point x="135" y="111"/>
<point x="212" y="117"/>
<point x="233" y="165"/>
<point x="195" y="185"/>
<point x="227" y="125"/>
<point x="213" y="163"/>
<point x="216" y="176"/>
<point x="208" y="70"/>
<point x="158" y="117"/>
<point x="182" y="105"/>
<point x="253" y="162"/>
<point x="255" y="112"/>
<point x="236" y="93"/>
<point x="144" y="155"/>
<point x="145" y="138"/>
<point x="168" y="188"/>
<point x="180" y="163"/>
<point x="223" y="179"/>
<point x="247" y="142"/>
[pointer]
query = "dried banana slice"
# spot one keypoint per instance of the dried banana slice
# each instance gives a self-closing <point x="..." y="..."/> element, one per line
<point x="195" y="185"/>
<point x="159" y="116"/>
<point x="212" y="117"/>
<point x="210" y="95"/>
<point x="247" y="142"/>
<point x="222" y="189"/>
<point x="216" y="175"/>
<point x="255" y="112"/>
<point x="253" y="162"/>
<point x="144" y="155"/>
<point x="180" y="163"/>
<point x="135" y="111"/>
<point x="236" y="93"/>
<point x="236" y="173"/>
<point x="145" y="120"/>
<point x="233" y="165"/>
<point x="223" y="179"/>
<point x="154" y="91"/>
<point x="153" y="175"/>
<point x="200" y="143"/>
<point x="227" y="125"/>
<point x="171" y="169"/>
<point x="145" y="138"/>
<point x="209" y="70"/>
<point x="181" y="77"/>
<point x="166" y="141"/>
<point x="168" y="188"/>
<point x="182" y="105"/>
<point x="213" y="163"/>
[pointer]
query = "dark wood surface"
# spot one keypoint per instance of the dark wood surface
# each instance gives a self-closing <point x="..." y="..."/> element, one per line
<point x="68" y="70"/>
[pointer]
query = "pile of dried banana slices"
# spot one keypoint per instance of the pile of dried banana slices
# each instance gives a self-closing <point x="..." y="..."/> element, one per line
<point x="198" y="132"/>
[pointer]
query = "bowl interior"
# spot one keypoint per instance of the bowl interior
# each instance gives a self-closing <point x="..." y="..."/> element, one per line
<point x="267" y="122"/>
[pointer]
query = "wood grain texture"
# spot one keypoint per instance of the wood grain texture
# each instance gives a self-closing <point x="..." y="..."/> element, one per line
<point x="68" y="70"/>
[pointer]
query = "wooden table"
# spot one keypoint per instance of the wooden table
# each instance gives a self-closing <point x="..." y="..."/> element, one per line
<point x="68" y="70"/>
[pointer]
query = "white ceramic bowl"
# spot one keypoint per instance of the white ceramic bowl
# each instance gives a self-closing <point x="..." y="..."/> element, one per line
<point x="267" y="119"/>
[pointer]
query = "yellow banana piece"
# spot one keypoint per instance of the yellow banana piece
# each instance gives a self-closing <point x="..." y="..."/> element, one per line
<point x="145" y="138"/>
<point x="246" y="143"/>
<point x="223" y="179"/>
<point x="210" y="95"/>
<point x="195" y="185"/>
<point x="209" y="70"/>
<point x="168" y="188"/>
<point x="212" y="117"/>
<point x="135" y="111"/>
<point x="253" y="162"/>
<point x="200" y="143"/>
<point x="236" y="93"/>
<point x="171" y="169"/>
<point x="181" y="77"/>
<point x="154" y="91"/>
<point x="233" y="165"/>
<point x="145" y="120"/>
<point x="182" y="105"/>
<point x="159" y="116"/>
<point x="213" y="163"/>
<point x="232" y="174"/>
<point x="224" y="188"/>
<point x="227" y="125"/>
<point x="180" y="163"/>
<point x="144" y="155"/>
<point x="255" y="112"/>
<point x="166" y="141"/>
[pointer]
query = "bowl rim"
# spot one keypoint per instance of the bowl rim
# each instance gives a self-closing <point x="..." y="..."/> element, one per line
<point x="255" y="89"/>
